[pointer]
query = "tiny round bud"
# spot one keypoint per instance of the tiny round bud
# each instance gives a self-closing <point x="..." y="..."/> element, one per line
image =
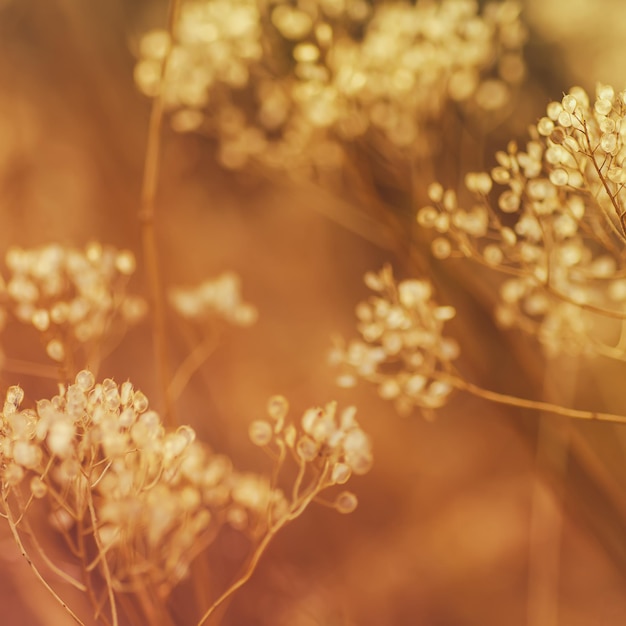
<point x="346" y="502"/>
<point x="140" y="402"/>
<point x="493" y="254"/>
<point x="15" y="395"/>
<point x="187" y="433"/>
<point x="125" y="262"/>
<point x="603" y="106"/>
<point x="306" y="449"/>
<point x="37" y="487"/>
<point x="569" y="103"/>
<point x="27" y="454"/>
<point x="61" y="437"/>
<point x="41" y="320"/>
<point x="509" y="202"/>
<point x="545" y="126"/>
<point x="427" y="216"/>
<point x="441" y="248"/>
<point x="435" y="192"/>
<point x="346" y="381"/>
<point x="553" y="110"/>
<point x="277" y="408"/>
<point x="341" y="473"/>
<point x="85" y="380"/>
<point x="565" y="119"/>
<point x="559" y="177"/>
<point x="389" y="389"/>
<point x="608" y="142"/>
<point x="13" y="474"/>
<point x="478" y="182"/>
<point x="55" y="350"/>
<point x="260" y="432"/>
<point x="444" y="313"/>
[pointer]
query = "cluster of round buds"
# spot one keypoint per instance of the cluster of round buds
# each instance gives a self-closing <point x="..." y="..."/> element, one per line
<point x="71" y="295"/>
<point x="402" y="348"/>
<point x="331" y="444"/>
<point x="214" y="43"/>
<point x="214" y="298"/>
<point x="557" y="230"/>
<point x="287" y="84"/>
<point x="109" y="468"/>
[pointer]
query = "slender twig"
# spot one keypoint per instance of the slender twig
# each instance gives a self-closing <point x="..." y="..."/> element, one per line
<point x="299" y="478"/>
<point x="86" y="573"/>
<point x="294" y="512"/>
<point x="524" y="403"/>
<point x="105" y="564"/>
<point x="620" y="215"/>
<point x="42" y="580"/>
<point x="190" y="365"/>
<point x="47" y="560"/>
<point x="148" y="231"/>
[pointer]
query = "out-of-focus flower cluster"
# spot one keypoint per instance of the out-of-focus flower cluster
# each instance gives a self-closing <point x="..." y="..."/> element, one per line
<point x="330" y="445"/>
<point x="402" y="348"/>
<point x="288" y="84"/>
<point x="214" y="298"/>
<point x="150" y="499"/>
<point x="558" y="229"/>
<point x="72" y="297"/>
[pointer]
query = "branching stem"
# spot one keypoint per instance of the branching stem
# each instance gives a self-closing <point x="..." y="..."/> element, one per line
<point x="20" y="545"/>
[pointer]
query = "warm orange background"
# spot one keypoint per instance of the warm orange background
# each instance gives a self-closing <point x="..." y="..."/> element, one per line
<point x="485" y="517"/>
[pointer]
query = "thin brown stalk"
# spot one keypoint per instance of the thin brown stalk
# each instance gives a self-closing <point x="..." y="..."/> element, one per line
<point x="620" y="215"/>
<point x="148" y="233"/>
<point x="190" y="365"/>
<point x="536" y="405"/>
<point x="295" y="511"/>
<point x="105" y="564"/>
<point x="22" y="549"/>
<point x="86" y="573"/>
<point x="48" y="561"/>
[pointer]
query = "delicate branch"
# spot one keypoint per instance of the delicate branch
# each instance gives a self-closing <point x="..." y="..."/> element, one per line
<point x="20" y="545"/>
<point x="48" y="561"/>
<point x="190" y="365"/>
<point x="294" y="512"/>
<point x="620" y="215"/>
<point x="148" y="231"/>
<point x="105" y="564"/>
<point x="524" y="403"/>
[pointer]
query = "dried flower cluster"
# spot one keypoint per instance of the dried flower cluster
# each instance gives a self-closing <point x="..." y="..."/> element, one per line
<point x="289" y="84"/>
<point x="214" y="298"/>
<point x="329" y="447"/>
<point x="73" y="297"/>
<point x="137" y="502"/>
<point x="557" y="230"/>
<point x="402" y="350"/>
<point x="149" y="498"/>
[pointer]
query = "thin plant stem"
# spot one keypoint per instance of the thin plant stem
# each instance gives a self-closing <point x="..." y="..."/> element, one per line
<point x="17" y="366"/>
<point x="296" y="509"/>
<point x="105" y="563"/>
<point x="190" y="365"/>
<point x="535" y="405"/>
<point x="299" y="478"/>
<point x="242" y="580"/>
<point x="148" y="232"/>
<point x="618" y="212"/>
<point x="42" y="580"/>
<point x="546" y="515"/>
<point x="86" y="573"/>
<point x="49" y="562"/>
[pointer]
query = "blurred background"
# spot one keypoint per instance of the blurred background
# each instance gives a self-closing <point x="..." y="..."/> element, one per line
<point x="485" y="516"/>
